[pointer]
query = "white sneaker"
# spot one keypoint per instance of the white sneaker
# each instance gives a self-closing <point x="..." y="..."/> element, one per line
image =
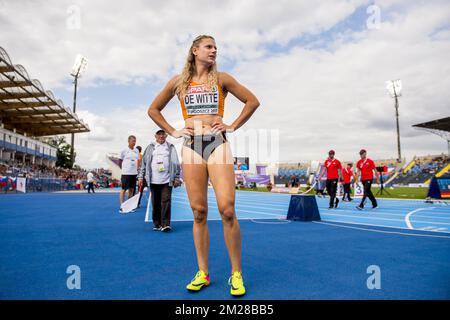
<point x="166" y="229"/>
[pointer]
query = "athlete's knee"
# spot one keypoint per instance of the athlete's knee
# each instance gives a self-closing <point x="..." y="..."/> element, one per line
<point x="200" y="213"/>
<point x="228" y="213"/>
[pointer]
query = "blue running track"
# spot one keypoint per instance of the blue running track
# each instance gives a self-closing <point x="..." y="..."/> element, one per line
<point x="120" y="257"/>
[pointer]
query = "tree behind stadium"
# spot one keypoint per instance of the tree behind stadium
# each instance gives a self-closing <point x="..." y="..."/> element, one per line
<point x="62" y="152"/>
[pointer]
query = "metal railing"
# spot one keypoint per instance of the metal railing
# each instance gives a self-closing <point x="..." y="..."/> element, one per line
<point x="36" y="184"/>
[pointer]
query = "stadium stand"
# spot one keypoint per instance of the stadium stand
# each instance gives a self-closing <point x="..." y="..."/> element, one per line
<point x="289" y="171"/>
<point x="28" y="114"/>
<point x="422" y="169"/>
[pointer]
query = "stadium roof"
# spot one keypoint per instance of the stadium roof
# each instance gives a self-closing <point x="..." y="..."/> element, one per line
<point x="28" y="108"/>
<point x="440" y="124"/>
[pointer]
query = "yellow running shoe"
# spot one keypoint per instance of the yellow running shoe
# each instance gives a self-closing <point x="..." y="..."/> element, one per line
<point x="237" y="284"/>
<point x="201" y="279"/>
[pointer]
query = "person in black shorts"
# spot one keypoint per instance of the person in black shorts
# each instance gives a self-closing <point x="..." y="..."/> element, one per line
<point x="128" y="163"/>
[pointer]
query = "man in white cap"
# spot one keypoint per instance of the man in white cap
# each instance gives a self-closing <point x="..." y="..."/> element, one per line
<point x="161" y="169"/>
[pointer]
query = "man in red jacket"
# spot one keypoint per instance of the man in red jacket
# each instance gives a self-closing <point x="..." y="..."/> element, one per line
<point x="347" y="175"/>
<point x="366" y="169"/>
<point x="333" y="168"/>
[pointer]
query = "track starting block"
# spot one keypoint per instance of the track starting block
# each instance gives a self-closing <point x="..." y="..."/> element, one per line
<point x="303" y="208"/>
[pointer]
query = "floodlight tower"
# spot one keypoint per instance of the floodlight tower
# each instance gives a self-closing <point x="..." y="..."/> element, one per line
<point x="78" y="68"/>
<point x="395" y="89"/>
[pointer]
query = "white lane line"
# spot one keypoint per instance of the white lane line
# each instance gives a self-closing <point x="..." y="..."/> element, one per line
<point x="242" y="204"/>
<point x="220" y="219"/>
<point x="428" y="228"/>
<point x="244" y="200"/>
<point x="376" y="218"/>
<point x="373" y="215"/>
<point x="377" y="212"/>
<point x="238" y="207"/>
<point x="239" y="211"/>
<point x="408" y="216"/>
<point x="383" y="231"/>
<point x="368" y="224"/>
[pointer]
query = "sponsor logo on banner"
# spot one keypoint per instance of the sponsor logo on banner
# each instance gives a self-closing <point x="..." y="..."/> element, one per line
<point x="21" y="184"/>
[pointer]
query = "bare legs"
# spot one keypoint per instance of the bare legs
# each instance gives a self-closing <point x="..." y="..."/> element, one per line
<point x="220" y="170"/>
<point x="122" y="195"/>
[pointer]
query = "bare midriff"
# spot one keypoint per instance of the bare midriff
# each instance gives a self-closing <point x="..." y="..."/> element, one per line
<point x="202" y="124"/>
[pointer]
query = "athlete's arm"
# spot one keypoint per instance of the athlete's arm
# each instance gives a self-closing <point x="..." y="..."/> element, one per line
<point x="231" y="85"/>
<point x="159" y="103"/>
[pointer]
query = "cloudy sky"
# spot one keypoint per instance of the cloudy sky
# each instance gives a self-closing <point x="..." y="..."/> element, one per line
<point x="318" y="68"/>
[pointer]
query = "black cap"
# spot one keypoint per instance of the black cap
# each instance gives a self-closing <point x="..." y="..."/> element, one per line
<point x="160" y="131"/>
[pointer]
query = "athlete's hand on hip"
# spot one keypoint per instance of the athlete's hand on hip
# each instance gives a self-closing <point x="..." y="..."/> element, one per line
<point x="218" y="127"/>
<point x="183" y="133"/>
<point x="176" y="183"/>
<point x="140" y="183"/>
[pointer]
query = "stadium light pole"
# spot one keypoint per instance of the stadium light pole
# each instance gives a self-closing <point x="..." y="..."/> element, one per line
<point x="77" y="70"/>
<point x="395" y="89"/>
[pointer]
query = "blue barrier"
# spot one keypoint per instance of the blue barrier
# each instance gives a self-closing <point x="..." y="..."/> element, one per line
<point x="303" y="208"/>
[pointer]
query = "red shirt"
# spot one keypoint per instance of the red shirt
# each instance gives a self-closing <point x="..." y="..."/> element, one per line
<point x="332" y="167"/>
<point x="366" y="166"/>
<point x="347" y="174"/>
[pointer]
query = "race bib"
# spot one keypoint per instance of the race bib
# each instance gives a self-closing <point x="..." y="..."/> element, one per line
<point x="199" y="100"/>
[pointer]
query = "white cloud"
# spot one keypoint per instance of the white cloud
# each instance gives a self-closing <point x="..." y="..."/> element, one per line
<point x="109" y="133"/>
<point x="146" y="39"/>
<point x="336" y="98"/>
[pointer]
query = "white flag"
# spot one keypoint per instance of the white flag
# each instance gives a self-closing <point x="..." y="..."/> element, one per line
<point x="131" y="204"/>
